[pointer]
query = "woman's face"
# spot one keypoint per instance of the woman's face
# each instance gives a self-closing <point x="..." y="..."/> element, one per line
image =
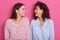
<point x="38" y="11"/>
<point x="21" y="11"/>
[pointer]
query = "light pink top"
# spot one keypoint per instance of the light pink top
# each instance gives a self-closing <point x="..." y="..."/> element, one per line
<point x="19" y="31"/>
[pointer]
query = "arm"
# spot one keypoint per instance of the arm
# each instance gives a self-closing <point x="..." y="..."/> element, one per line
<point x="28" y="29"/>
<point x="31" y="32"/>
<point x="6" y="31"/>
<point x="51" y="30"/>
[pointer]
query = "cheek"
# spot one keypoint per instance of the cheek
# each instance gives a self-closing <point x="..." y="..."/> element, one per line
<point x="19" y="12"/>
<point x="36" y="12"/>
<point x="22" y="12"/>
<point x="40" y="12"/>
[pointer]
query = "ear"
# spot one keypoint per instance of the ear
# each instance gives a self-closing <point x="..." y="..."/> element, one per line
<point x="16" y="11"/>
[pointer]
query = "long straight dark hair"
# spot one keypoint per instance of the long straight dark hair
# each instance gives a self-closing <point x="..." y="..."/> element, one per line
<point x="45" y="9"/>
<point x="16" y="7"/>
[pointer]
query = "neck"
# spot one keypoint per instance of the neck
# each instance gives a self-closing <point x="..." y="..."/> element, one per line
<point x="41" y="21"/>
<point x="40" y="18"/>
<point x="19" y="18"/>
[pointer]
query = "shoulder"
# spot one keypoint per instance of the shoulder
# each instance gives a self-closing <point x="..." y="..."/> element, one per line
<point x="25" y="18"/>
<point x="33" y="21"/>
<point x="51" y="24"/>
<point x="8" y="20"/>
<point x="50" y="21"/>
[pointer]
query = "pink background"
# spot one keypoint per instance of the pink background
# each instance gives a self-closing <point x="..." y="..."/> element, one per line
<point x="6" y="7"/>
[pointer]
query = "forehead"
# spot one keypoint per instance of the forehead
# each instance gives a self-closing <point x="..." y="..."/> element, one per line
<point x="22" y="7"/>
<point x="37" y="6"/>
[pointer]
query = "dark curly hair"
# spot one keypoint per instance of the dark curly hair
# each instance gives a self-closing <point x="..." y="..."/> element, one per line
<point x="45" y="9"/>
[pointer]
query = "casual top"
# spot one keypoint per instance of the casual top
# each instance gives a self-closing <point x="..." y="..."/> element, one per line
<point x="17" y="31"/>
<point x="44" y="32"/>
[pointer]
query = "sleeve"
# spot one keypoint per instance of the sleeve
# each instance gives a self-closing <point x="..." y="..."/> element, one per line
<point x="28" y="29"/>
<point x="6" y="31"/>
<point x="51" y="30"/>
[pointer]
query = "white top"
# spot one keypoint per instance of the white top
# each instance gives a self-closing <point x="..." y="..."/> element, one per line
<point x="46" y="32"/>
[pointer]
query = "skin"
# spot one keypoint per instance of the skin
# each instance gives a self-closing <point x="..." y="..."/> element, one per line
<point x="38" y="11"/>
<point x="20" y="13"/>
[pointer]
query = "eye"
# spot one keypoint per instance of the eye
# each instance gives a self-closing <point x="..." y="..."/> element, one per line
<point x="23" y="8"/>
